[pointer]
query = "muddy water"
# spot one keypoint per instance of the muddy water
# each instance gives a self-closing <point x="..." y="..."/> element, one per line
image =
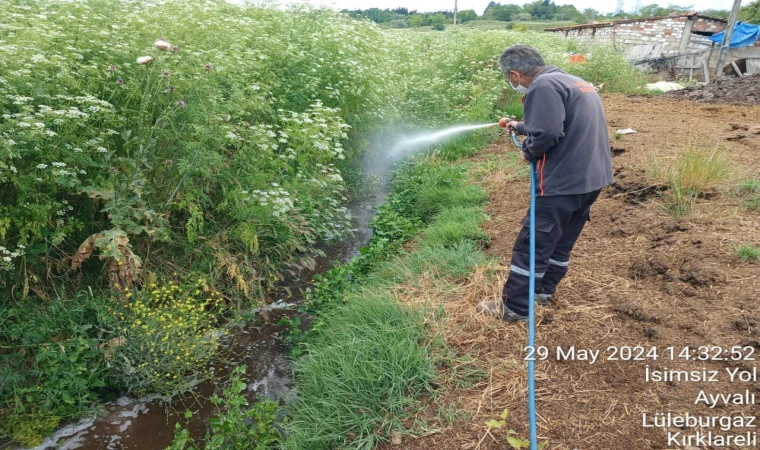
<point x="148" y="423"/>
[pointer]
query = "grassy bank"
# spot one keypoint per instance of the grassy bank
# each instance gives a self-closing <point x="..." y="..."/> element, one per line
<point x="375" y="347"/>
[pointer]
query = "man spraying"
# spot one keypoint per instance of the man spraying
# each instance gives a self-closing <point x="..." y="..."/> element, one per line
<point x="567" y="138"/>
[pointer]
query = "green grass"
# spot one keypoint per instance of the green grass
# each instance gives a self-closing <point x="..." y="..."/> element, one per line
<point x="454" y="225"/>
<point x="748" y="252"/>
<point x="358" y="376"/>
<point x="750" y="190"/>
<point x="438" y="263"/>
<point x="437" y="194"/>
<point x="695" y="170"/>
<point x="507" y="162"/>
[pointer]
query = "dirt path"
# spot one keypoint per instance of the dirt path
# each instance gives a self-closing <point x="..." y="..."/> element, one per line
<point x="637" y="277"/>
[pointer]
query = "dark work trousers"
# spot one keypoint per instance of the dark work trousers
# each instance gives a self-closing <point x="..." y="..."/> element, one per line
<point x="559" y="222"/>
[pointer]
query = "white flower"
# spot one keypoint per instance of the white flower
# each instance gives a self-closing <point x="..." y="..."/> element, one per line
<point x="7" y="258"/>
<point x="13" y="169"/>
<point x="162" y="45"/>
<point x="59" y="164"/>
<point x="42" y="166"/>
<point x="102" y="150"/>
<point x="144" y="60"/>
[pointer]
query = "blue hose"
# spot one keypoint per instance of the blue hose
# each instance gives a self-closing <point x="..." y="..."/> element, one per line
<point x="531" y="306"/>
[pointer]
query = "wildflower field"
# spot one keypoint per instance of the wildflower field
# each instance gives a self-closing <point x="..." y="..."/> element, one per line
<point x="167" y="164"/>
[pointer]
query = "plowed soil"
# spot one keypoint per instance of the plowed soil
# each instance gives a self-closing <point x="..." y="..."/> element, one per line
<point x="744" y="90"/>
<point x="637" y="277"/>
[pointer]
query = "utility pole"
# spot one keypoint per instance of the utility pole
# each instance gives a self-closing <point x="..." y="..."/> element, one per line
<point x="727" y="38"/>
<point x="455" y="11"/>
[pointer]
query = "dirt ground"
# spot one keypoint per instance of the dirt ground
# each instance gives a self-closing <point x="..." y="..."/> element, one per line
<point x="637" y="277"/>
<point x="744" y="90"/>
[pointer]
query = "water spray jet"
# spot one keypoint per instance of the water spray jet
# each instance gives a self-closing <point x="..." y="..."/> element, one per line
<point x="410" y="143"/>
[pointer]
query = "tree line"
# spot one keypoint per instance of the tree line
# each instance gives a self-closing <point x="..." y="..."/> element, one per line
<point x="540" y="10"/>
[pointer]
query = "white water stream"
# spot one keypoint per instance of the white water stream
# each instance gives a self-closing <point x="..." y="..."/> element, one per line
<point x="411" y="143"/>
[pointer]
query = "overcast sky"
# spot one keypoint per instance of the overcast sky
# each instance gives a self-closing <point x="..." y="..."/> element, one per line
<point x="480" y="5"/>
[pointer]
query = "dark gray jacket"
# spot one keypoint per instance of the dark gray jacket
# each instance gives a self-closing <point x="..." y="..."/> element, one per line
<point x="567" y="134"/>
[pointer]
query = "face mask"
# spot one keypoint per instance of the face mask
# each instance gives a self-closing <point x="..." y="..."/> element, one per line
<point x="520" y="88"/>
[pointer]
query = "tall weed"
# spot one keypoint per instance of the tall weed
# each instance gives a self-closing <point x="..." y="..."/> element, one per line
<point x="695" y="170"/>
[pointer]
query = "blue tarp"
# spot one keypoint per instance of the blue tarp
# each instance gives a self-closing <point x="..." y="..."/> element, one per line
<point x="744" y="34"/>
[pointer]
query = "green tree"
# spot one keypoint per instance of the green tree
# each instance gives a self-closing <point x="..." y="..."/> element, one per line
<point x="379" y="15"/>
<point x="652" y="10"/>
<point x="589" y="15"/>
<point x="568" y="12"/>
<point x="679" y="9"/>
<point x="438" y="19"/>
<point x="541" y="10"/>
<point x="655" y="10"/>
<point x="751" y="12"/>
<point x="416" y="20"/>
<point x="720" y="13"/>
<point x="504" y="13"/>
<point x="467" y="15"/>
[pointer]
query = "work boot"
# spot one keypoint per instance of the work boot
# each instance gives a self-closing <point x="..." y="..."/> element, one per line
<point x="498" y="310"/>
<point x="543" y="299"/>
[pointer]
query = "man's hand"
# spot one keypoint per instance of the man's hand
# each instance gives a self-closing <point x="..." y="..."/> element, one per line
<point x="511" y="126"/>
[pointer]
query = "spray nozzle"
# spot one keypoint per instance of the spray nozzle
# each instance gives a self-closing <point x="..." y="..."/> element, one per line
<point x="503" y="122"/>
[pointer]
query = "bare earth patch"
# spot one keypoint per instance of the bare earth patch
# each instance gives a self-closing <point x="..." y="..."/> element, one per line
<point x="637" y="277"/>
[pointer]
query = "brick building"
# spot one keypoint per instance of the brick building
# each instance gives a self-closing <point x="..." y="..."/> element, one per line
<point x="676" y="44"/>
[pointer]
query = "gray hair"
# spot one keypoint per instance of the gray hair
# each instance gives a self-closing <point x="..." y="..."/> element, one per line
<point x="522" y="58"/>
